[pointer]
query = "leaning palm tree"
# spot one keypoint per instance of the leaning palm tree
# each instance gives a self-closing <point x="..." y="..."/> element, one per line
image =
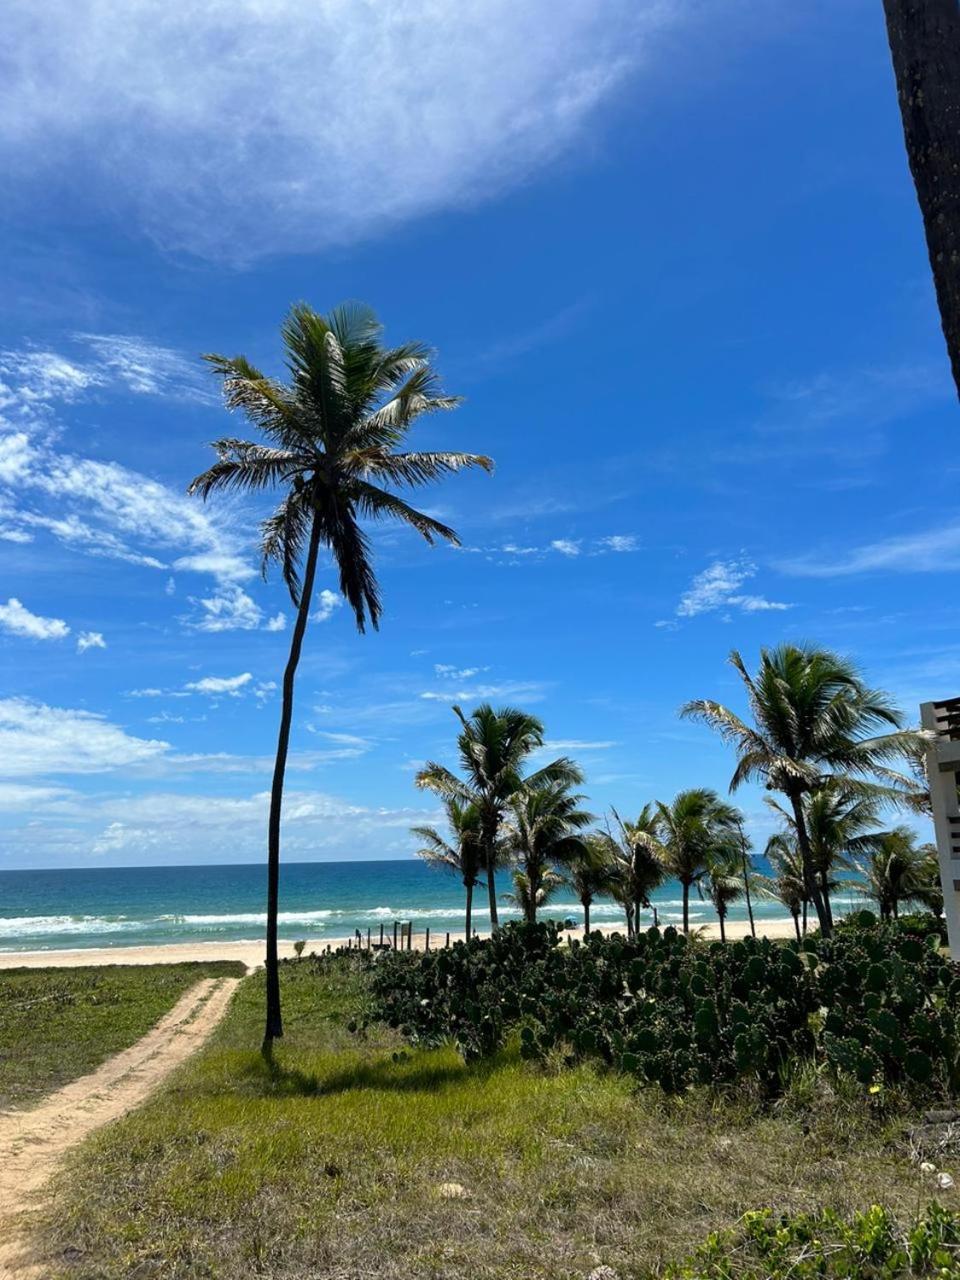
<point x="723" y="881"/>
<point x="636" y="857"/>
<point x="330" y="442"/>
<point x="591" y="871"/>
<point x="541" y="833"/>
<point x="892" y="872"/>
<point x="494" y="745"/>
<point x="691" y="829"/>
<point x="814" y="718"/>
<point x="786" y="885"/>
<point x="460" y="854"/>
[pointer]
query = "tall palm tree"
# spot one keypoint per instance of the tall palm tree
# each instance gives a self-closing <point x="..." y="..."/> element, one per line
<point x="460" y="854"/>
<point x="330" y="442"/>
<point x="786" y="885"/>
<point x="691" y="829"/>
<point x="840" y="823"/>
<point x="814" y="718"/>
<point x="541" y="833"/>
<point x="494" y="745"/>
<point x="591" y="871"/>
<point x="724" y="881"/>
<point x="929" y="890"/>
<point x="892" y="870"/>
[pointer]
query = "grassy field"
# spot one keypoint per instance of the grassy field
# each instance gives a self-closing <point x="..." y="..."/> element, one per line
<point x="57" y="1024"/>
<point x="351" y="1157"/>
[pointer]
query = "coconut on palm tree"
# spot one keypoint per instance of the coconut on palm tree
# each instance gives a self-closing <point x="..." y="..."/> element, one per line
<point x="813" y="718"/>
<point x="331" y="436"/>
<point x="460" y="853"/>
<point x="494" y="745"/>
<point x="691" y="829"/>
<point x="541" y="833"/>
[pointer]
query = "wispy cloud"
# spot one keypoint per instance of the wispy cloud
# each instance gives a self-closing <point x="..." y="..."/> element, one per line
<point x="719" y="586"/>
<point x="522" y="690"/>
<point x="327" y="603"/>
<point x="218" y="685"/>
<point x="38" y="740"/>
<point x="124" y="105"/>
<point x="516" y="553"/>
<point x="19" y="621"/>
<point x="90" y="640"/>
<point x="935" y="550"/>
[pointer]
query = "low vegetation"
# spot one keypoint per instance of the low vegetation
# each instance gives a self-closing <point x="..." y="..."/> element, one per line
<point x="874" y="1001"/>
<point x="57" y="1024"/>
<point x="347" y="1153"/>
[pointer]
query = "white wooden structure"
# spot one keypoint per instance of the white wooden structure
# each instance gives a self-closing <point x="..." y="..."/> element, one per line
<point x="943" y="771"/>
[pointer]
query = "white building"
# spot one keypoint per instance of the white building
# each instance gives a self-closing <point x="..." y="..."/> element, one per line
<point x="943" y="767"/>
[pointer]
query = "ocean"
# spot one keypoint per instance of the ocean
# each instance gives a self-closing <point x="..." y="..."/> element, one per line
<point x="48" y="910"/>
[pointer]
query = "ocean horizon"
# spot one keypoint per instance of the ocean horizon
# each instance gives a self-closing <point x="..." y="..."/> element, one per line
<point x="45" y="910"/>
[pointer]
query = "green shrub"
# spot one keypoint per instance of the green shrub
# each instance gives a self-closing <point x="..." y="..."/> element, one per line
<point x="870" y="1247"/>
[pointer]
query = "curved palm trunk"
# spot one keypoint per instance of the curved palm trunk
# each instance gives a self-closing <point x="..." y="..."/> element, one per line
<point x="825" y="891"/>
<point x="468" y="924"/>
<point x="806" y="860"/>
<point x="746" y="884"/>
<point x="274" y="1025"/>
<point x="796" y="924"/>
<point x="490" y="857"/>
<point x="492" y="894"/>
<point x="586" y="916"/>
<point x="723" y="924"/>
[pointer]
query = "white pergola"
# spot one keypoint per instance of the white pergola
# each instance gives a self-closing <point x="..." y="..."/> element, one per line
<point x="943" y="768"/>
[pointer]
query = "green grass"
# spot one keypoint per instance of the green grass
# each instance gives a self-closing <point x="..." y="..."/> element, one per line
<point x="330" y="1163"/>
<point x="57" y="1024"/>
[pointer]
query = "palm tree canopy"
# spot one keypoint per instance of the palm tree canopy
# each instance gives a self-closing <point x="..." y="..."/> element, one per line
<point x="461" y="852"/>
<point x="841" y="822"/>
<point x="786" y="885"/>
<point x="591" y="871"/>
<point x="330" y="439"/>
<point x="635" y="856"/>
<point x="530" y="899"/>
<point x="544" y="822"/>
<point x="813" y="716"/>
<point x="724" y="878"/>
<point x="692" y="828"/>
<point x="893" y="869"/>
<point x="493" y="745"/>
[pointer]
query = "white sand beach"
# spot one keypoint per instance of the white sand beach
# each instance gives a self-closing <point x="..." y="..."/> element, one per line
<point x="250" y="952"/>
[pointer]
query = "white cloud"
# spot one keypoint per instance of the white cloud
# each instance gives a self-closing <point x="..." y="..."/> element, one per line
<point x="90" y="640"/>
<point x="21" y="622"/>
<point x="148" y="369"/>
<point x="522" y="691"/>
<point x="278" y="623"/>
<point x="381" y="113"/>
<point x="718" y="587"/>
<point x="566" y="546"/>
<point x="228" y="609"/>
<point x="934" y="550"/>
<point x="447" y="671"/>
<point x="327" y="602"/>
<point x="619" y="542"/>
<point x="216" y="685"/>
<point x="171" y="587"/>
<point x="37" y="740"/>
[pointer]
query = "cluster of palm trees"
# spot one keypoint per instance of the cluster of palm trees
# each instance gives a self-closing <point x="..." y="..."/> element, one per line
<point x="817" y="735"/>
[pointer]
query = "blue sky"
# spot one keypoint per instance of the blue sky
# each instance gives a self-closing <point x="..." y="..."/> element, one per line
<point x="670" y="254"/>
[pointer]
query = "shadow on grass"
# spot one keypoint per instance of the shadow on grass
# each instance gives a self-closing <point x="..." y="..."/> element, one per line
<point x="275" y="1079"/>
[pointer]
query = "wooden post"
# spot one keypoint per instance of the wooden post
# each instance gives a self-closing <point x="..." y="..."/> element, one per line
<point x="395" y="935"/>
<point x="426" y="945"/>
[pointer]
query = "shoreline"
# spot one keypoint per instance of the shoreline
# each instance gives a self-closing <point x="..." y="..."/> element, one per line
<point x="250" y="952"/>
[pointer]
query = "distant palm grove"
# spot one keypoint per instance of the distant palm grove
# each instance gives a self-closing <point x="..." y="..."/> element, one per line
<point x="833" y="753"/>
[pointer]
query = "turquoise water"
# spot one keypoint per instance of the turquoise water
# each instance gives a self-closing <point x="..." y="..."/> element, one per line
<point x="44" y="910"/>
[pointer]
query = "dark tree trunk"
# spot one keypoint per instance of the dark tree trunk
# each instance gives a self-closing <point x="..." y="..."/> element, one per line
<point x="469" y="920"/>
<point x="924" y="40"/>
<point x="806" y="862"/>
<point x="825" y="892"/>
<point x="723" y="926"/>
<point x="628" y="911"/>
<point x="492" y="895"/>
<point x="796" y="924"/>
<point x="586" y="917"/>
<point x="274" y="1024"/>
<point x="686" y="906"/>
<point x="805" y="906"/>
<point x="746" y="883"/>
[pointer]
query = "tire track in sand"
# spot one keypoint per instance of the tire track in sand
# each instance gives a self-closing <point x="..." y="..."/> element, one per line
<point x="33" y="1142"/>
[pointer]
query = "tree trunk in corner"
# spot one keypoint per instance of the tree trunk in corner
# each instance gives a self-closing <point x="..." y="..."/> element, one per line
<point x="924" y="40"/>
<point x="274" y="1026"/>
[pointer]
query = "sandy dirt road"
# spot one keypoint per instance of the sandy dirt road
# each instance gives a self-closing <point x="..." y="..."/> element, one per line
<point x="33" y="1142"/>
